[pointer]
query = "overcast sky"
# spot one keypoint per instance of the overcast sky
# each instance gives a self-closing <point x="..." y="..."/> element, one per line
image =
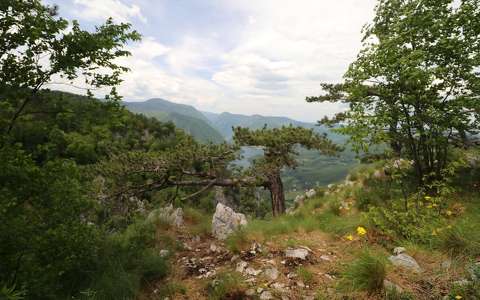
<point x="241" y="56"/>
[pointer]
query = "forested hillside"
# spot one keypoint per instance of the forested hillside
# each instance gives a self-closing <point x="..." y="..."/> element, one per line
<point x="183" y="116"/>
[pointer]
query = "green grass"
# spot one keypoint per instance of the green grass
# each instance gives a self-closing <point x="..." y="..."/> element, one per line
<point x="305" y="275"/>
<point x="200" y="221"/>
<point x="171" y="289"/>
<point x="228" y="285"/>
<point x="366" y="273"/>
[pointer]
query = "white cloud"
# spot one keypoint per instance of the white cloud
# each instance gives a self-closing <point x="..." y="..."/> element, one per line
<point x="289" y="48"/>
<point x="281" y="54"/>
<point x="100" y="10"/>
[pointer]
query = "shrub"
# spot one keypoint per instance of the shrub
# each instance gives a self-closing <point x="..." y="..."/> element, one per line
<point x="11" y="293"/>
<point x="226" y="286"/>
<point x="458" y="241"/>
<point x="126" y="260"/>
<point x="417" y="225"/>
<point x="237" y="241"/>
<point x="366" y="273"/>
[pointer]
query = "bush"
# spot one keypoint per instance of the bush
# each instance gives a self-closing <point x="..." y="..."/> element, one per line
<point x="417" y="225"/>
<point x="458" y="241"/>
<point x="237" y="241"/>
<point x="11" y="293"/>
<point x="366" y="273"/>
<point x="126" y="260"/>
<point x="227" y="286"/>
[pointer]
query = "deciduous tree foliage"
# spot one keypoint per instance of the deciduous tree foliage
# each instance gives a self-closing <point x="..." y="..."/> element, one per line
<point x="415" y="84"/>
<point x="37" y="47"/>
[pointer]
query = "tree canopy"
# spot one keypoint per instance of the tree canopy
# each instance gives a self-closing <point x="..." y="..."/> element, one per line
<point x="415" y="84"/>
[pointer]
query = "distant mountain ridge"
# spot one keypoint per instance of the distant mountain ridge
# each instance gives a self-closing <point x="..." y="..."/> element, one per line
<point x="183" y="116"/>
<point x="315" y="169"/>
<point x="224" y="122"/>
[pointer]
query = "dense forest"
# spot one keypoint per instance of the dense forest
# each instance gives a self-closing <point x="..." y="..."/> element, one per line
<point x="107" y="199"/>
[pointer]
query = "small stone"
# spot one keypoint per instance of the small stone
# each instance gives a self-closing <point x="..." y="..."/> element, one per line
<point x="446" y="264"/>
<point x="329" y="276"/>
<point x="252" y="272"/>
<point x="399" y="250"/>
<point x="250" y="292"/>
<point x="299" y="253"/>
<point x="301" y="284"/>
<point x="325" y="258"/>
<point x="213" y="248"/>
<point x="311" y="193"/>
<point x="272" y="273"/>
<point x="164" y="253"/>
<point x="266" y="295"/>
<point x="241" y="265"/>
<point x="234" y="258"/>
<point x="291" y="275"/>
<point x="405" y="261"/>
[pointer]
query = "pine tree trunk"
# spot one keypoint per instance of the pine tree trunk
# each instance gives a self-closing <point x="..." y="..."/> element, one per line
<point x="276" y="193"/>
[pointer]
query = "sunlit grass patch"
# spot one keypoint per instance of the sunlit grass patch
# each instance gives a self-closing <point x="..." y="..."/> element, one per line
<point x="228" y="285"/>
<point x="366" y="273"/>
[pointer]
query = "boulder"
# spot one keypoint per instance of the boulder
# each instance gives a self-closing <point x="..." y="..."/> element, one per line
<point x="167" y="214"/>
<point x="405" y="261"/>
<point x="310" y="193"/>
<point x="299" y="200"/>
<point x="299" y="253"/>
<point x="225" y="221"/>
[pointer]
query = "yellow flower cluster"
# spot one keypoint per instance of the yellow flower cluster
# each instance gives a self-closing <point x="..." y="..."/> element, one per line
<point x="361" y="231"/>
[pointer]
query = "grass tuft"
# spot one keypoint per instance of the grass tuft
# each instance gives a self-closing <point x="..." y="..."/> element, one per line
<point x="366" y="273"/>
<point x="228" y="285"/>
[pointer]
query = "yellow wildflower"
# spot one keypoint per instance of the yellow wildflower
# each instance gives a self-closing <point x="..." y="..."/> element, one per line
<point x="434" y="204"/>
<point x="361" y="230"/>
<point x="458" y="297"/>
<point x="429" y="206"/>
<point x="449" y="213"/>
<point x="428" y="198"/>
<point x="349" y="237"/>
<point x="449" y="226"/>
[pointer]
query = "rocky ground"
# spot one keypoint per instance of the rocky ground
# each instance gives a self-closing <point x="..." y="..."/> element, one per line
<point x="295" y="265"/>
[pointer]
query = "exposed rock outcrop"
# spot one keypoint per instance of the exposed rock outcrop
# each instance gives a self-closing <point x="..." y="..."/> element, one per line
<point x="225" y="221"/>
<point x="167" y="214"/>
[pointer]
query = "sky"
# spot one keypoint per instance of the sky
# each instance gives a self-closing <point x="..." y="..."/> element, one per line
<point x="241" y="56"/>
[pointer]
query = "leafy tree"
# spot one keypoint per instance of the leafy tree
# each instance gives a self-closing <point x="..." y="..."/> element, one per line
<point x="37" y="47"/>
<point x="280" y="148"/>
<point x="205" y="166"/>
<point x="415" y="84"/>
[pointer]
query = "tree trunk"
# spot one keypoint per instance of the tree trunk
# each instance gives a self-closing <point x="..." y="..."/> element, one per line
<point x="275" y="185"/>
